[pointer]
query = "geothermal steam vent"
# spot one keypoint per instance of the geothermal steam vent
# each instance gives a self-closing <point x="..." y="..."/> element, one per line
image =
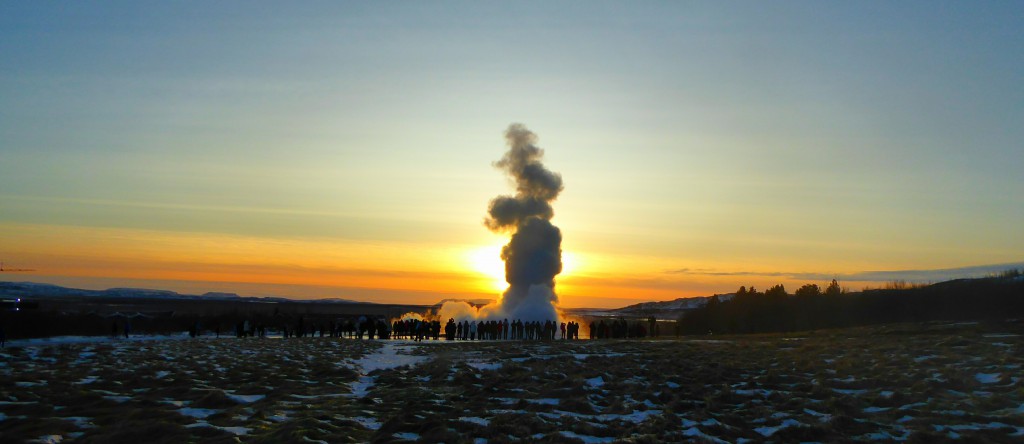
<point x="533" y="256"/>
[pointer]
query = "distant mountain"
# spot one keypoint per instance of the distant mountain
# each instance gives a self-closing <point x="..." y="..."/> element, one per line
<point x="29" y="289"/>
<point x="142" y="293"/>
<point x="668" y="309"/>
<point x="474" y="302"/>
<point x="32" y="289"/>
<point x="214" y="294"/>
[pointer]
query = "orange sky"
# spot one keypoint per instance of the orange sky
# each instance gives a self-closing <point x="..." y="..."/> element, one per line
<point x="395" y="272"/>
<point x="376" y="271"/>
<point x="346" y="149"/>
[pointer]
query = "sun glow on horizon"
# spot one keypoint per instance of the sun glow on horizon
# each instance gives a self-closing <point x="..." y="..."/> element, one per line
<point x="570" y="264"/>
<point x="486" y="262"/>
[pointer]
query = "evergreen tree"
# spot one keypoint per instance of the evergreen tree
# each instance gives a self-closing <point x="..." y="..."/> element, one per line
<point x="808" y="290"/>
<point x="833" y="289"/>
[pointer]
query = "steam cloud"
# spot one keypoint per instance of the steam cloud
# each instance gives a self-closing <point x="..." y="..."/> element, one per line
<point x="533" y="256"/>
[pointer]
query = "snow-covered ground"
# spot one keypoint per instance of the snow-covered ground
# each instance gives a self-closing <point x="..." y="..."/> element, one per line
<point x="858" y="384"/>
<point x="67" y="340"/>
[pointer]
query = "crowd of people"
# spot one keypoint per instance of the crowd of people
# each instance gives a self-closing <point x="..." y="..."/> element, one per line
<point x="468" y="330"/>
<point x="370" y="327"/>
<point x="623" y="329"/>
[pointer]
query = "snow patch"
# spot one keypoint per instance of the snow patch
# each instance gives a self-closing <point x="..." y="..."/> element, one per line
<point x="387" y="357"/>
<point x="238" y="431"/>
<point x="80" y="421"/>
<point x="118" y="399"/>
<point x="475" y="420"/>
<point x="635" y="417"/>
<point x="752" y="392"/>
<point x="988" y="378"/>
<point x="361" y="387"/>
<point x="244" y="399"/>
<point x="198" y="413"/>
<point x="367" y="423"/>
<point x="587" y="438"/>
<point x="485" y="365"/>
<point x="695" y="433"/>
<point x="823" y="417"/>
<point x="769" y="431"/>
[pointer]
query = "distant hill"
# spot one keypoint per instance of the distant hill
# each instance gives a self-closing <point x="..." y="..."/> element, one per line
<point x="667" y="309"/>
<point x="32" y="289"/>
<point x="473" y="302"/>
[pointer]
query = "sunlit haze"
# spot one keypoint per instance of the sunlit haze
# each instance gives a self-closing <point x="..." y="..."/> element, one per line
<point x="347" y="149"/>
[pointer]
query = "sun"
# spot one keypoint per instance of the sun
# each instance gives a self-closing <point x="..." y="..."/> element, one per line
<point x="570" y="262"/>
<point x="486" y="261"/>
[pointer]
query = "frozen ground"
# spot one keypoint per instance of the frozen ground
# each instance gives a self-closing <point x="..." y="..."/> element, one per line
<point x="921" y="383"/>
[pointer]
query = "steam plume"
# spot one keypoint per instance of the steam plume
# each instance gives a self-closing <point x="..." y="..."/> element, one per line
<point x="533" y="256"/>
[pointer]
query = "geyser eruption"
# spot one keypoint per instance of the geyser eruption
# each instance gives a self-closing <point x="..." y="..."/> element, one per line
<point x="533" y="255"/>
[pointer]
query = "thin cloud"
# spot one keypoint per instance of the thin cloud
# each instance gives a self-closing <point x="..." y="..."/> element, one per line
<point x="932" y="275"/>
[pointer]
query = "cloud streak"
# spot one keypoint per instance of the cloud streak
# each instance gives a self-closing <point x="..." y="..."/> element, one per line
<point x="928" y="275"/>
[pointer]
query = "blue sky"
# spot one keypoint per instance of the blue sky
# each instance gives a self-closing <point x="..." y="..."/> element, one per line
<point x="812" y="137"/>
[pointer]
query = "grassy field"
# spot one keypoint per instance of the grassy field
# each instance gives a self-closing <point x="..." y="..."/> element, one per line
<point x="920" y="383"/>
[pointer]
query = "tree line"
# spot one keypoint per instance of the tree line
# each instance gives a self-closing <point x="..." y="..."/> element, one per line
<point x="811" y="308"/>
